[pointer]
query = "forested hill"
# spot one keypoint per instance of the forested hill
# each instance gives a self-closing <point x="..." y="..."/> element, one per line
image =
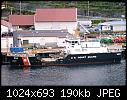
<point x="95" y="8"/>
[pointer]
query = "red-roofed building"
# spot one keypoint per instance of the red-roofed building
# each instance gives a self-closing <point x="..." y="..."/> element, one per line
<point x="56" y="18"/>
<point x="56" y="15"/>
<point x="6" y="27"/>
<point x="47" y="19"/>
<point x="21" y="21"/>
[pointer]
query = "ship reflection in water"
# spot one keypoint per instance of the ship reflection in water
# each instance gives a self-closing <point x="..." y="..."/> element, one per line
<point x="87" y="75"/>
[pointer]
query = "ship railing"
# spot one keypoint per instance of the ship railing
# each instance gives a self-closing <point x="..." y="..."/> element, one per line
<point x="20" y="54"/>
<point x="114" y="50"/>
<point x="48" y="59"/>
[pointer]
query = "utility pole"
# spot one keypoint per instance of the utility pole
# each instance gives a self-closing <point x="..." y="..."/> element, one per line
<point x="88" y="10"/>
<point x="20" y="8"/>
<point x="11" y="10"/>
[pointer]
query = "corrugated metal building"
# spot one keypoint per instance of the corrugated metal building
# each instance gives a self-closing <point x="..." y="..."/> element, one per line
<point x="114" y="26"/>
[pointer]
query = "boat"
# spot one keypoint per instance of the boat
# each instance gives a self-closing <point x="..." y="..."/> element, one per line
<point x="76" y="52"/>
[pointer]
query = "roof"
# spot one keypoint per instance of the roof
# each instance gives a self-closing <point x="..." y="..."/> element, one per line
<point x="114" y="23"/>
<point x="5" y="23"/>
<point x="21" y="19"/>
<point x="41" y="33"/>
<point x="56" y="14"/>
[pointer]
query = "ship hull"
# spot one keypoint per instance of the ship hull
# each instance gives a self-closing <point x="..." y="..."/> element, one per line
<point x="70" y="60"/>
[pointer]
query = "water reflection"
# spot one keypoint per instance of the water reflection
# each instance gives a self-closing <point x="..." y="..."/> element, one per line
<point x="113" y="74"/>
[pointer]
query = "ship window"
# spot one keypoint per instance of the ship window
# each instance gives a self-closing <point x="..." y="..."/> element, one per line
<point x="73" y="42"/>
<point x="25" y="42"/>
<point x="76" y="41"/>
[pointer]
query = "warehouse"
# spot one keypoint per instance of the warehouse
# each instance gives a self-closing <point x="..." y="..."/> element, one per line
<point x="114" y="26"/>
<point x="40" y="37"/>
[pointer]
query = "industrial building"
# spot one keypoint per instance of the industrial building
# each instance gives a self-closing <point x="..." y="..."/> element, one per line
<point x="113" y="26"/>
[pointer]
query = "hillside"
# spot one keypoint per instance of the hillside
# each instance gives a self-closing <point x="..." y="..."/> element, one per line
<point x="96" y="8"/>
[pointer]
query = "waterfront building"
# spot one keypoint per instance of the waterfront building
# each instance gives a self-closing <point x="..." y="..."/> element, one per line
<point x="53" y="38"/>
<point x="47" y="19"/>
<point x="114" y="26"/>
<point x="21" y="22"/>
<point x="5" y="27"/>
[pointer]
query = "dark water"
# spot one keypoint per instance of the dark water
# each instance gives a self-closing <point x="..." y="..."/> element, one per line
<point x="90" y="75"/>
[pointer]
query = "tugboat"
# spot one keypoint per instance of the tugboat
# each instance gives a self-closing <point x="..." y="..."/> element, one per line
<point x="76" y="52"/>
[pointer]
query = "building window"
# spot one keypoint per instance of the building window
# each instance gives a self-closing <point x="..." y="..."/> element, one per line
<point x="25" y="42"/>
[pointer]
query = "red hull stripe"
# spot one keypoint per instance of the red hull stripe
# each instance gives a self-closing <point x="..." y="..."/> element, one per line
<point x="26" y="61"/>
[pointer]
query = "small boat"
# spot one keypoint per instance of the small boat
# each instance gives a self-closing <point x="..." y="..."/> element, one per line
<point x="76" y="52"/>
